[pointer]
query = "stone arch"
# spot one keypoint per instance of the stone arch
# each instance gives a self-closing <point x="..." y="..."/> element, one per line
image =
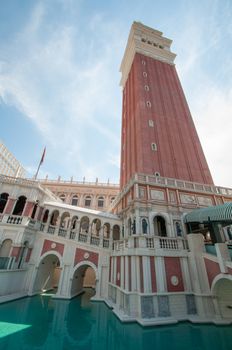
<point x="62" y="197"/>
<point x="34" y="209"/>
<point x="222" y="293"/>
<point x="5" y="248"/>
<point x="82" y="277"/>
<point x="144" y="226"/>
<point x="48" y="272"/>
<point x="54" y="217"/>
<point x="84" y="224"/>
<point x="96" y="227"/>
<point x="160" y="225"/>
<point x="3" y="200"/>
<point x="45" y="216"/>
<point x="106" y="230"/>
<point x="116" y="233"/>
<point x="64" y="220"/>
<point x="19" y="206"/>
<point x="74" y="221"/>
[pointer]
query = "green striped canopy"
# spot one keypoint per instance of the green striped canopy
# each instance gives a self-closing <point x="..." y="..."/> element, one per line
<point x="216" y="213"/>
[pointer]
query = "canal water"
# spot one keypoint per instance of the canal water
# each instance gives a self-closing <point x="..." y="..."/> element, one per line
<point x="41" y="322"/>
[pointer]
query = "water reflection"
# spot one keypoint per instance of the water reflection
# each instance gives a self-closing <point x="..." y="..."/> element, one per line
<point x="80" y="324"/>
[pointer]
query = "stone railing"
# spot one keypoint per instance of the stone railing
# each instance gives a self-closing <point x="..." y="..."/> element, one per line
<point x="164" y="243"/>
<point x="169" y="182"/>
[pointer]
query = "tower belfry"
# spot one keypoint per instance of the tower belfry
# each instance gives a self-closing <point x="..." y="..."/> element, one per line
<point x="158" y="133"/>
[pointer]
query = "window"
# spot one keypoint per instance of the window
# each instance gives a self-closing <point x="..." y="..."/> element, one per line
<point x="143" y="40"/>
<point x="157" y="174"/>
<point x="146" y="87"/>
<point x="100" y="202"/>
<point x="145" y="74"/>
<point x="151" y="123"/>
<point x="112" y="199"/>
<point x="148" y="103"/>
<point x="62" y="197"/>
<point x="74" y="200"/>
<point x="153" y="147"/>
<point x="87" y="201"/>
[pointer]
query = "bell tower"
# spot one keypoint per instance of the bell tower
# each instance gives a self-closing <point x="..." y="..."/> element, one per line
<point x="158" y="133"/>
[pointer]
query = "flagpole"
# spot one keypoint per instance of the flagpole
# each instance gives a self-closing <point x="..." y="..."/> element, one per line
<point x="41" y="161"/>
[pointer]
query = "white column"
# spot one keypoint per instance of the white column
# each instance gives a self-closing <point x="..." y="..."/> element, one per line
<point x="160" y="274"/>
<point x="147" y="274"/>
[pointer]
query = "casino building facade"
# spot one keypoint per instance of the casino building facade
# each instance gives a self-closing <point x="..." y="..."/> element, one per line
<point x="157" y="249"/>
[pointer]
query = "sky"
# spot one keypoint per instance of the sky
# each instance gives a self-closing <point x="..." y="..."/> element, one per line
<point x="59" y="80"/>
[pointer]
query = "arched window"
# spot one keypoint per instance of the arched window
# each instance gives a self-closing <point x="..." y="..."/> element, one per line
<point x="84" y="224"/>
<point x="100" y="202"/>
<point x="116" y="233"/>
<point x="144" y="226"/>
<point x="45" y="216"/>
<point x="87" y="201"/>
<point x="5" y="248"/>
<point x="19" y="206"/>
<point x="34" y="209"/>
<point x="178" y="229"/>
<point x="96" y="226"/>
<point x="3" y="201"/>
<point x="64" y="220"/>
<point x="129" y="226"/>
<point x="75" y="200"/>
<point x="54" y="217"/>
<point x="112" y="199"/>
<point x="106" y="230"/>
<point x="62" y="197"/>
<point x="160" y="226"/>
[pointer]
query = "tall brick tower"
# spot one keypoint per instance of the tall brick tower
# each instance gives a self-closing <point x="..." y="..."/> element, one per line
<point x="158" y="133"/>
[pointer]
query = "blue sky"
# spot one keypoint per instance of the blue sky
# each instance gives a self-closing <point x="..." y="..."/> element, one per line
<point x="59" y="79"/>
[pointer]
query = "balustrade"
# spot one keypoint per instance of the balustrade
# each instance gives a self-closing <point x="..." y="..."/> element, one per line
<point x="62" y="232"/>
<point x="51" y="229"/>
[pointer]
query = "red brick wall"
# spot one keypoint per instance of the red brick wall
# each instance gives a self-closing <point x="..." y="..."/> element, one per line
<point x="118" y="270"/>
<point x="9" y="206"/>
<point x="16" y="252"/>
<point x="212" y="269"/>
<point x="28" y="208"/>
<point x="179" y="152"/>
<point x="47" y="246"/>
<point x="173" y="268"/>
<point x="29" y="251"/>
<point x="79" y="256"/>
<point x="153" y="274"/>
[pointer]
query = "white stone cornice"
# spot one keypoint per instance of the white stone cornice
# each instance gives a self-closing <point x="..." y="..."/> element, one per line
<point x="146" y="41"/>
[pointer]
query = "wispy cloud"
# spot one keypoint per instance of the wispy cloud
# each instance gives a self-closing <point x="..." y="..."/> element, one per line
<point x="68" y="97"/>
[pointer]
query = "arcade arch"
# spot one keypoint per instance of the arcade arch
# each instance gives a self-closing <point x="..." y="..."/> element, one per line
<point x="116" y="233"/>
<point x="19" y="206"/>
<point x="5" y="249"/>
<point x="3" y="201"/>
<point x="48" y="274"/>
<point x="84" y="224"/>
<point x="160" y="226"/>
<point x="84" y="276"/>
<point x="222" y="290"/>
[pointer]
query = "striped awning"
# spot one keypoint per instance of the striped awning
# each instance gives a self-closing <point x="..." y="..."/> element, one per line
<point x="216" y="213"/>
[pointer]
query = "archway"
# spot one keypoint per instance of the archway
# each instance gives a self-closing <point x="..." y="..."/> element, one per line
<point x="19" y="206"/>
<point x="116" y="233"/>
<point x="54" y="217"/>
<point x="222" y="290"/>
<point x="5" y="248"/>
<point x="84" y="224"/>
<point x="3" y="201"/>
<point x="84" y="276"/>
<point x="48" y="274"/>
<point x="96" y="226"/>
<point x="160" y="226"/>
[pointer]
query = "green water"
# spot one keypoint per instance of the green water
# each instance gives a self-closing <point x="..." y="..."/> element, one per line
<point x="44" y="323"/>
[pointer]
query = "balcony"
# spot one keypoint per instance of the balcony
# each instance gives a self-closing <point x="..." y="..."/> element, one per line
<point x="166" y="244"/>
